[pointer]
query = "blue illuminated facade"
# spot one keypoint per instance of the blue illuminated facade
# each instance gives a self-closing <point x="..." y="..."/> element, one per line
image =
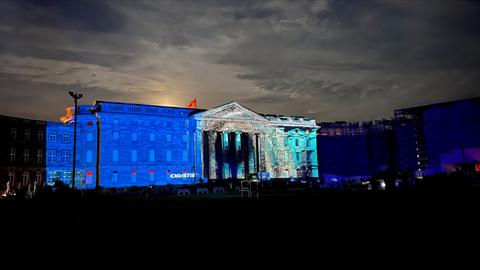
<point x="142" y="145"/>
<point x="438" y="138"/>
<point x="355" y="150"/>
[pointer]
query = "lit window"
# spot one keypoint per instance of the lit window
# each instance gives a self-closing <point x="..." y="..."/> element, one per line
<point x="115" y="155"/>
<point x="89" y="137"/>
<point x="151" y="176"/>
<point x="65" y="156"/>
<point x="12" y="154"/>
<point x="133" y="176"/>
<point x="52" y="156"/>
<point x="26" y="155"/>
<point x="89" y="156"/>
<point x="169" y="137"/>
<point x="185" y="155"/>
<point x="152" y="137"/>
<point x="115" y="135"/>
<point x="184" y="138"/>
<point x="53" y="136"/>
<point x="66" y="137"/>
<point x="114" y="177"/>
<point x="169" y="155"/>
<point x="134" y="155"/>
<point x="151" y="155"/>
<point x="27" y="135"/>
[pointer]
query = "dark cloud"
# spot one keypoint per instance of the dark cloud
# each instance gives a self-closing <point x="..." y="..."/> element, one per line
<point x="334" y="60"/>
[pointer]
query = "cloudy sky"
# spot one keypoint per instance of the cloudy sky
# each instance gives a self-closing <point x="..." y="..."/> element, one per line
<point x="332" y="60"/>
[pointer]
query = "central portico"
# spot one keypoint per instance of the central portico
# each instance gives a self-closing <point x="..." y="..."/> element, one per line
<point x="232" y="135"/>
<point x="237" y="142"/>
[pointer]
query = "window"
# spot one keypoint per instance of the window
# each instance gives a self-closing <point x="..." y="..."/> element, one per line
<point x="134" y="155"/>
<point x="115" y="121"/>
<point x="39" y="156"/>
<point x="52" y="156"/>
<point x="12" y="154"/>
<point x="133" y="176"/>
<point x="169" y="137"/>
<point x="151" y="176"/>
<point x="26" y="155"/>
<point x="169" y="155"/>
<point x="89" y="137"/>
<point x="134" y="136"/>
<point x="115" y="135"/>
<point x="25" y="178"/>
<point x="40" y="135"/>
<point x="53" y="136"/>
<point x="297" y="155"/>
<point x="152" y="137"/>
<point x="286" y="141"/>
<point x="65" y="156"/>
<point x="115" y="155"/>
<point x="184" y="138"/>
<point x="308" y="142"/>
<point x="11" y="177"/>
<point x="89" y="156"/>
<point x="114" y="177"/>
<point x="13" y="133"/>
<point x="185" y="155"/>
<point x="151" y="155"/>
<point x="38" y="177"/>
<point x="26" y="134"/>
<point x="66" y="137"/>
<point x="286" y="156"/>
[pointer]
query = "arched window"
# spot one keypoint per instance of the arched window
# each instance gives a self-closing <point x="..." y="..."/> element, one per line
<point x="25" y="177"/>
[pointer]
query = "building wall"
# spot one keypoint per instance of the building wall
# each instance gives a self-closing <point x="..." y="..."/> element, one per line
<point x="437" y="138"/>
<point x="22" y="153"/>
<point x="59" y="154"/>
<point x="147" y="145"/>
<point x="355" y="150"/>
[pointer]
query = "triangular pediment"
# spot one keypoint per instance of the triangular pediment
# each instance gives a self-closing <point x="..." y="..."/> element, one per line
<point x="233" y="111"/>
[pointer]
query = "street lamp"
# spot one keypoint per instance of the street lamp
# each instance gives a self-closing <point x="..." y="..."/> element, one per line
<point x="76" y="97"/>
<point x="95" y="112"/>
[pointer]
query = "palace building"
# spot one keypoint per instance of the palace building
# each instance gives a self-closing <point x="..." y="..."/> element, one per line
<point x="121" y="145"/>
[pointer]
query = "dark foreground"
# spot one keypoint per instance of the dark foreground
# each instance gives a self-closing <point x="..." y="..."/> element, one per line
<point x="303" y="213"/>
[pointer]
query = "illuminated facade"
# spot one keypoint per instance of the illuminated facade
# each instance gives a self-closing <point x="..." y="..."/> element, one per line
<point x="438" y="138"/>
<point x="142" y="145"/>
<point x="355" y="150"/>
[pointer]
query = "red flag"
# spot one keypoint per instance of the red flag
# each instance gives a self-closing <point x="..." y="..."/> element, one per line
<point x="193" y="104"/>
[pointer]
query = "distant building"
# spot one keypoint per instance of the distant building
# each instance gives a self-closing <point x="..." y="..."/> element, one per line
<point x="22" y="153"/>
<point x="438" y="138"/>
<point x="356" y="150"/>
<point x="142" y="145"/>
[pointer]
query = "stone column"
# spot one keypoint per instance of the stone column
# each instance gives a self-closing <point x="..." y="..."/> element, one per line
<point x="212" y="163"/>
<point x="257" y="153"/>
<point x="245" y="156"/>
<point x="219" y="155"/>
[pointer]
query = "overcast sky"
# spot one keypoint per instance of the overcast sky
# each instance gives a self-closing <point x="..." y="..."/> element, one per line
<point x="332" y="60"/>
